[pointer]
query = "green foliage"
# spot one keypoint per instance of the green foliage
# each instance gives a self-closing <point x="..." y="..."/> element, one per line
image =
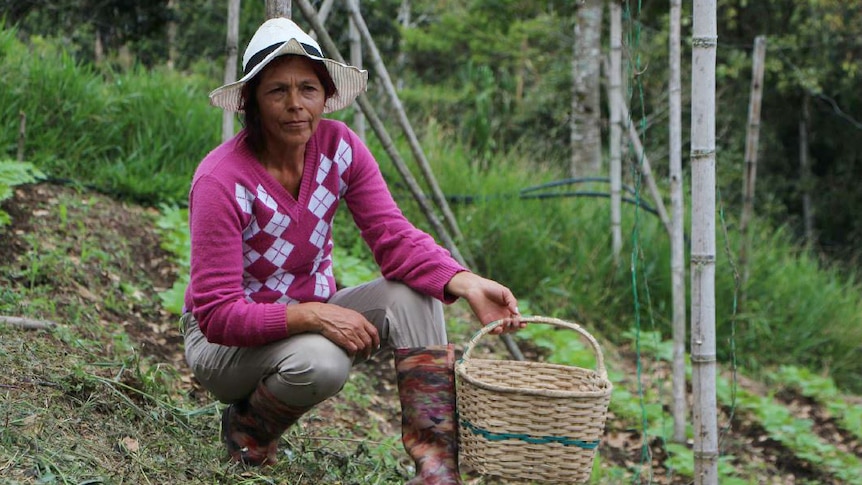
<point x="824" y="391"/>
<point x="137" y="133"/>
<point x="173" y="228"/>
<point x="14" y="173"/>
<point x="448" y="54"/>
<point x="777" y="419"/>
<point x="554" y="253"/>
<point x="500" y="71"/>
<point x="778" y="326"/>
<point x="795" y="433"/>
<point x="563" y="345"/>
<point x="351" y="270"/>
<point x="681" y="460"/>
<point x="650" y="343"/>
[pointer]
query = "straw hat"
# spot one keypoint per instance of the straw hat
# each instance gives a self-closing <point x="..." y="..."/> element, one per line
<point x="278" y="37"/>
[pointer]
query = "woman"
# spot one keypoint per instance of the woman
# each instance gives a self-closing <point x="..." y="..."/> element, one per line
<point x="265" y="328"/>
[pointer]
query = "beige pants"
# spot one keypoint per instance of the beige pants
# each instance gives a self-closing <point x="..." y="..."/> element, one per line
<point x="306" y="369"/>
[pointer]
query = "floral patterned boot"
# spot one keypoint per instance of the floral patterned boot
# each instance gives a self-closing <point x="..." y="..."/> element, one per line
<point x="251" y="428"/>
<point x="426" y="387"/>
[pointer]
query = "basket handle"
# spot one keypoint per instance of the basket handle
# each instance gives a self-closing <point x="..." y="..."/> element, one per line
<point x="600" y="360"/>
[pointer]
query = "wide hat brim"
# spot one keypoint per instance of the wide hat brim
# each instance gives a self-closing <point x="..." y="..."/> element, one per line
<point x="350" y="81"/>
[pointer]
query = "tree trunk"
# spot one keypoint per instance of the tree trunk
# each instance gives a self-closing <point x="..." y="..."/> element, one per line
<point x="704" y="43"/>
<point x="231" y="50"/>
<point x="356" y="60"/>
<point x="277" y="8"/>
<point x="677" y="239"/>
<point x="750" y="169"/>
<point x="585" y="122"/>
<point x="172" y="33"/>
<point x="805" y="172"/>
<point x="404" y="21"/>
<point x="98" y="48"/>
<point x="615" y="142"/>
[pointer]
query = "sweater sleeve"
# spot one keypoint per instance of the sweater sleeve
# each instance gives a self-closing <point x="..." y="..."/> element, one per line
<point x="402" y="251"/>
<point x="216" y="296"/>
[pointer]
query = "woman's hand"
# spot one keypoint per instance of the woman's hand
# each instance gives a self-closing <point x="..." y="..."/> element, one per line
<point x="489" y="300"/>
<point x="344" y="327"/>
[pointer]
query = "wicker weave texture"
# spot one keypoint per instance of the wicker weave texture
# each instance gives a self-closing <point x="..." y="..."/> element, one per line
<point x="530" y="420"/>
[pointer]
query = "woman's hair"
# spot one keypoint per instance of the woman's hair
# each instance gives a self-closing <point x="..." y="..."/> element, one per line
<point x="251" y="117"/>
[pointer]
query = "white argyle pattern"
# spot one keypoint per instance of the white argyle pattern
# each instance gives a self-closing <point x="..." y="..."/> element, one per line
<point x="267" y="242"/>
<point x="265" y="247"/>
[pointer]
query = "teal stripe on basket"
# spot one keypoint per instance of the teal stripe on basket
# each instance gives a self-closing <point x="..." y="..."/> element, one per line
<point x="540" y="440"/>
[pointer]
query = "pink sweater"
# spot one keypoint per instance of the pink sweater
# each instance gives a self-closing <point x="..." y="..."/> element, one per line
<point x="255" y="249"/>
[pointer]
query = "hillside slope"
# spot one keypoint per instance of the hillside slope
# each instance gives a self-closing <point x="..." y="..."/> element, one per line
<point x="105" y="395"/>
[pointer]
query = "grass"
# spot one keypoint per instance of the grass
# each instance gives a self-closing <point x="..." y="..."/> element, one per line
<point x="79" y="421"/>
<point x="100" y="127"/>
<point x="103" y="398"/>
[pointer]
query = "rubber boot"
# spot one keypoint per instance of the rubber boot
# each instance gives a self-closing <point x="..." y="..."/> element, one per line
<point x="251" y="428"/>
<point x="426" y="387"/>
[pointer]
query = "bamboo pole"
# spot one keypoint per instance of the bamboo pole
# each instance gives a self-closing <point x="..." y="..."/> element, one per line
<point x="644" y="167"/>
<point x="416" y="148"/>
<point x="677" y="239"/>
<point x="322" y="14"/>
<point x="277" y="8"/>
<point x="805" y="171"/>
<point x="389" y="146"/>
<point x="704" y="44"/>
<point x="751" y="151"/>
<point x="356" y="60"/>
<point x="615" y="141"/>
<point x="231" y="49"/>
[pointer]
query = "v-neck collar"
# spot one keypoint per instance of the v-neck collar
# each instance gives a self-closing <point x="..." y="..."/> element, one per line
<point x="286" y="202"/>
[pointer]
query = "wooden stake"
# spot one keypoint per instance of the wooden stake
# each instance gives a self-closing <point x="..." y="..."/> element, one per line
<point x="22" y="134"/>
<point x="27" y="323"/>
<point x="752" y="142"/>
<point x="644" y="166"/>
<point x="356" y="60"/>
<point x="805" y="171"/>
<point x="615" y="141"/>
<point x="231" y="49"/>
<point x="677" y="239"/>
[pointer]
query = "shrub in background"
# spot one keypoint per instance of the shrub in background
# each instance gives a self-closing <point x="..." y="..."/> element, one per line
<point x="139" y="133"/>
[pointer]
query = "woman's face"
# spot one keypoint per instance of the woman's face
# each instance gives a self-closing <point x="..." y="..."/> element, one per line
<point x="291" y="100"/>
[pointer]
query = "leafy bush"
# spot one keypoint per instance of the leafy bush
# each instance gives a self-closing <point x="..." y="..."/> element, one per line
<point x="14" y="173"/>
<point x="137" y="133"/>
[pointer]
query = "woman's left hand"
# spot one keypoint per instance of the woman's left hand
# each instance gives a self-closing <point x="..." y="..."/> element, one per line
<point x="489" y="300"/>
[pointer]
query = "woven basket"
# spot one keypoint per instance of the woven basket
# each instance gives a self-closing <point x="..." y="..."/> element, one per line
<point x="531" y="420"/>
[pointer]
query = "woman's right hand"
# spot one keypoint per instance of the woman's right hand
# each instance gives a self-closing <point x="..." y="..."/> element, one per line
<point x="344" y="327"/>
